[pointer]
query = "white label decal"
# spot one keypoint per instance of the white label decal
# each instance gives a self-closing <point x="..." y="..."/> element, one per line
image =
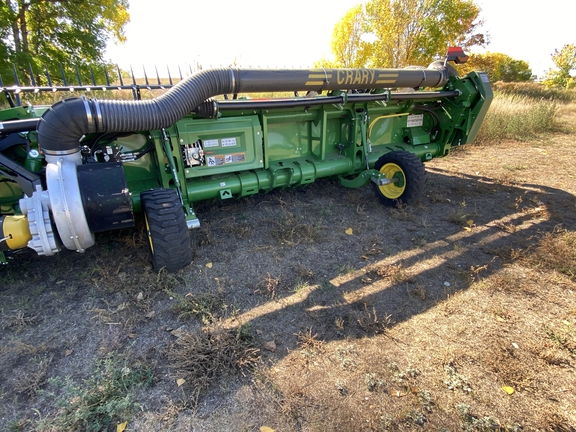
<point x="210" y="143"/>
<point x="415" y="120"/>
<point x="484" y="77"/>
<point x="228" y="142"/>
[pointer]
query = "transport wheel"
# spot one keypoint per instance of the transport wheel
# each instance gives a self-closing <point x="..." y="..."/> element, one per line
<point x="167" y="230"/>
<point x="409" y="176"/>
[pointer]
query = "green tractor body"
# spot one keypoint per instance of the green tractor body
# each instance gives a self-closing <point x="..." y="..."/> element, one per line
<point x="84" y="166"/>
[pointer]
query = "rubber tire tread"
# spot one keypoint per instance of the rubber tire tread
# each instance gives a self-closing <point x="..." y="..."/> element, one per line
<point x="168" y="231"/>
<point x="414" y="173"/>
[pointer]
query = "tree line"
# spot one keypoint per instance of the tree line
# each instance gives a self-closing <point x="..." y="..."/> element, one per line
<point x="399" y="33"/>
<point x="70" y="37"/>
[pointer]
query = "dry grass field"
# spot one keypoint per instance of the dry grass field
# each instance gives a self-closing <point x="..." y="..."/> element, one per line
<point x="318" y="309"/>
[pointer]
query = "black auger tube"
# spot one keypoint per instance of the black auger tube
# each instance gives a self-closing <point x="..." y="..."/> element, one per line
<point x="24" y="125"/>
<point x="65" y="123"/>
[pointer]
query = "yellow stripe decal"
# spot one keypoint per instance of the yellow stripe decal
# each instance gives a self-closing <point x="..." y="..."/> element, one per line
<point x="387" y="75"/>
<point x="321" y="76"/>
<point x="385" y="81"/>
<point x="314" y="83"/>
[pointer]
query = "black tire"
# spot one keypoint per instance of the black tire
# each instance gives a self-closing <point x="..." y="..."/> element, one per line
<point x="409" y="170"/>
<point x="167" y="230"/>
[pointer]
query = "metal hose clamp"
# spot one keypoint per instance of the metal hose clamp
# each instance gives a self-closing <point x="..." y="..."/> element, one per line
<point x="89" y="118"/>
<point x="234" y="90"/>
<point x="99" y="125"/>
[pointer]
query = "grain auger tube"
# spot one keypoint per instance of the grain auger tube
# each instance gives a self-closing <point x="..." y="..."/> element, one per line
<point x="83" y="166"/>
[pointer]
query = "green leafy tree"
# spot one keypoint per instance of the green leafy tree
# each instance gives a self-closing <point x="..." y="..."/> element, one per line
<point x="414" y="32"/>
<point x="347" y="45"/>
<point x="499" y="67"/>
<point x="406" y="32"/>
<point x="565" y="62"/>
<point x="49" y="32"/>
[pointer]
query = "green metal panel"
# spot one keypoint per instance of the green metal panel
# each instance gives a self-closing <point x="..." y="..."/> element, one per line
<point x="10" y="193"/>
<point x="229" y="144"/>
<point x="480" y="108"/>
<point x="462" y="116"/>
<point x="299" y="145"/>
<point x="22" y="112"/>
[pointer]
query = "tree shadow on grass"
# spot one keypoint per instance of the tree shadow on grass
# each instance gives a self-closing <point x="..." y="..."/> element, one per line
<point x="474" y="238"/>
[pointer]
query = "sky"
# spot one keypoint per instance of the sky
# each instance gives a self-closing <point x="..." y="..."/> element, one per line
<point x="296" y="33"/>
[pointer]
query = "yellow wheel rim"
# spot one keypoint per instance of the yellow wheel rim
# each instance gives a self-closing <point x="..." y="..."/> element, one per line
<point x="148" y="233"/>
<point x="393" y="190"/>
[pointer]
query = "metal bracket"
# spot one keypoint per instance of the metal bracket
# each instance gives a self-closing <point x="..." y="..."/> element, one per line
<point x="363" y="120"/>
<point x="27" y="180"/>
<point x="168" y="151"/>
<point x="363" y="178"/>
<point x="276" y="172"/>
<point x="192" y="221"/>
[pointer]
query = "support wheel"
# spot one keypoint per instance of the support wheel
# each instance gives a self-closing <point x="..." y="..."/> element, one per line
<point x="409" y="176"/>
<point x="167" y="230"/>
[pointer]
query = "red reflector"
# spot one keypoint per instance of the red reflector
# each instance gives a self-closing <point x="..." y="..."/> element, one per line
<point x="456" y="54"/>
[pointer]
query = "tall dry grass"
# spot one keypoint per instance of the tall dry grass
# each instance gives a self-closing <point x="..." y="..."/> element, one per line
<point x="535" y="90"/>
<point x="514" y="116"/>
<point x="522" y="111"/>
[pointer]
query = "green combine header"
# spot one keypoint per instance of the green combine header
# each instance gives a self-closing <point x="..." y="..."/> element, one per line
<point x="83" y="166"/>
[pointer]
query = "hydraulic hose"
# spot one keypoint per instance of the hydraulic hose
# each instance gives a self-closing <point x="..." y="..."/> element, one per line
<point x="64" y="124"/>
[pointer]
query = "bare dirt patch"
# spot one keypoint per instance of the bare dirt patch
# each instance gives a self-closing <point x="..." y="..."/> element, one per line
<point x="317" y="309"/>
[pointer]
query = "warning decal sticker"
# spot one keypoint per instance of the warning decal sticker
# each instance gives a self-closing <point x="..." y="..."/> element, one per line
<point x="228" y="142"/>
<point x="234" y="158"/>
<point x="219" y="160"/>
<point x="215" y="160"/>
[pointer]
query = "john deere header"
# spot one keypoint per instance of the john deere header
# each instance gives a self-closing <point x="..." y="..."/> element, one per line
<point x="86" y="165"/>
